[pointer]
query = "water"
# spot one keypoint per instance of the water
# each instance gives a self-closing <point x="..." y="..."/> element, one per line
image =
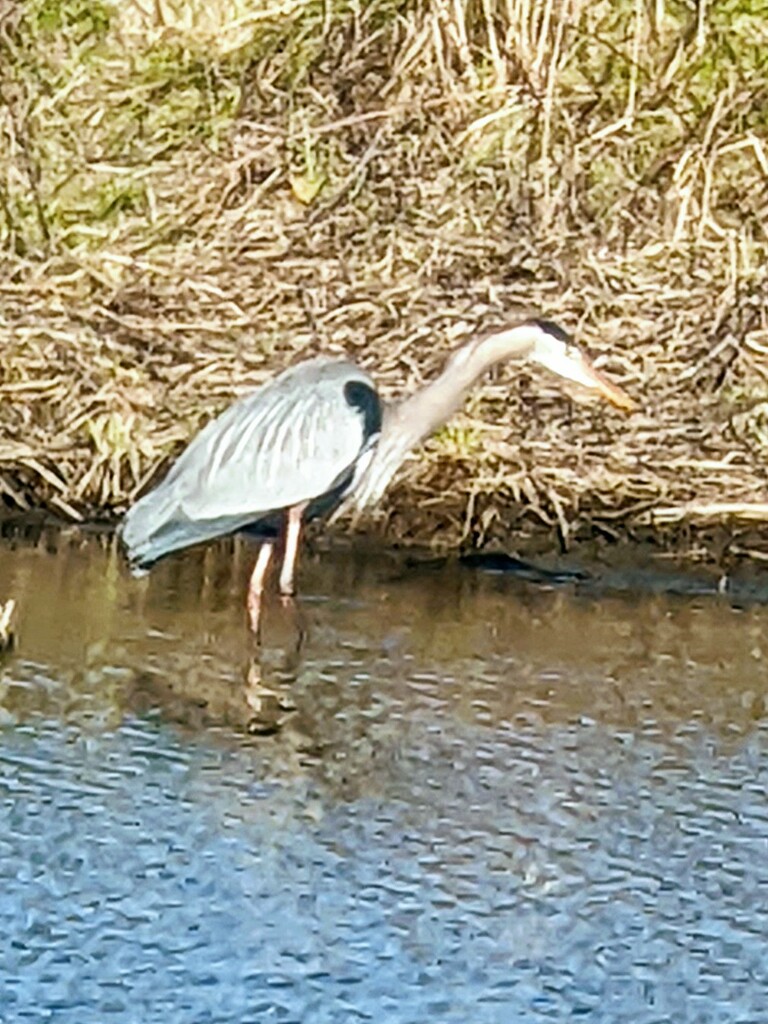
<point x="435" y="795"/>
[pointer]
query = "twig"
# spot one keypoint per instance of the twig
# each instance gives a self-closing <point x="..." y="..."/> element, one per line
<point x="752" y="511"/>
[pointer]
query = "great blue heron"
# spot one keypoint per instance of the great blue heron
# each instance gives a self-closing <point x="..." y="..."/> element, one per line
<point x="314" y="436"/>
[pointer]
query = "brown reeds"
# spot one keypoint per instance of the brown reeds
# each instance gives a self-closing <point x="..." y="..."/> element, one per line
<point x="193" y="194"/>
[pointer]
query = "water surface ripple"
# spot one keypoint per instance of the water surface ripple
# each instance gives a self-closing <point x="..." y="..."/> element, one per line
<point x="481" y="800"/>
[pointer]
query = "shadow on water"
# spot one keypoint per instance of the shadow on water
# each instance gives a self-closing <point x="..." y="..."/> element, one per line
<point x="434" y="794"/>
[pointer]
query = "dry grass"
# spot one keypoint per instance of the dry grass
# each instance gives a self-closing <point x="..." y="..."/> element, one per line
<point x="192" y="194"/>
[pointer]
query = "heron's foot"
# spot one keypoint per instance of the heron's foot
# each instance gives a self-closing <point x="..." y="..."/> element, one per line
<point x="287" y="589"/>
<point x="268" y="706"/>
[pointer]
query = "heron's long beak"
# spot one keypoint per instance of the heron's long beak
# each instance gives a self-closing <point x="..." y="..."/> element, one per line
<point x="572" y="365"/>
<point x="592" y="379"/>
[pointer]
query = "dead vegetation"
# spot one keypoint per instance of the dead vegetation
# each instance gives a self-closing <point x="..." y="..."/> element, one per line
<point x="194" y="193"/>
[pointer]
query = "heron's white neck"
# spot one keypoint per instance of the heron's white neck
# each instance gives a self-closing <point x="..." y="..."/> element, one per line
<point x="411" y="421"/>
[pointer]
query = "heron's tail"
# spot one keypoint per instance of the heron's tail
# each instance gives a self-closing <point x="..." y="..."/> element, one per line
<point x="151" y="529"/>
<point x="157" y="525"/>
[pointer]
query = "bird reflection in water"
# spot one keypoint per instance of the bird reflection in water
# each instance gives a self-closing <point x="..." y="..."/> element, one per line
<point x="268" y="683"/>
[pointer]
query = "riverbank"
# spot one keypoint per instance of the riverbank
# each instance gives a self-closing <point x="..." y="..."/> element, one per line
<point x="189" y="204"/>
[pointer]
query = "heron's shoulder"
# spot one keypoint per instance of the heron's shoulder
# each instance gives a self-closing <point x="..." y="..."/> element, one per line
<point x="338" y="384"/>
<point x="323" y="370"/>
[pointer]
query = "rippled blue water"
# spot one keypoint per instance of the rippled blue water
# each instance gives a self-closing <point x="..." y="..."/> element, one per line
<point x="466" y="840"/>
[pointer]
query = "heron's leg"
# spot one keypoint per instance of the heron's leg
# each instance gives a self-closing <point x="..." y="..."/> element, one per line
<point x="292" y="534"/>
<point x="256" y="584"/>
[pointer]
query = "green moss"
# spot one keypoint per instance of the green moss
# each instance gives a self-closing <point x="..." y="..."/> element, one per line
<point x="460" y="441"/>
<point x="85" y="19"/>
<point x="105" y="202"/>
<point x="174" y="96"/>
<point x="84" y="98"/>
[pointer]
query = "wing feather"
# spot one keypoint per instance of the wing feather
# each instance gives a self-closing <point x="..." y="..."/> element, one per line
<point x="289" y="442"/>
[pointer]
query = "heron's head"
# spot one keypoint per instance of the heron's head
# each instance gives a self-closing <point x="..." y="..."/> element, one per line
<point x="555" y="349"/>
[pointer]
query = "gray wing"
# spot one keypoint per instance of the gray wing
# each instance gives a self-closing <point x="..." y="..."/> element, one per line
<point x="289" y="442"/>
<point x="292" y="440"/>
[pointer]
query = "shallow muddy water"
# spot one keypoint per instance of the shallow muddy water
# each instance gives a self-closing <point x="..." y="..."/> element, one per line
<point x="434" y="795"/>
